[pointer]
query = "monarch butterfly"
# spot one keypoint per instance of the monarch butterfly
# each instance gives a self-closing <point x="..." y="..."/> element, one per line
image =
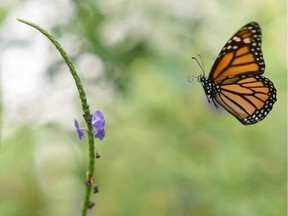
<point x="235" y="80"/>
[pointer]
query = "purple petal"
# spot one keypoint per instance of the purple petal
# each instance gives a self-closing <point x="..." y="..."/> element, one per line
<point x="78" y="129"/>
<point x="100" y="134"/>
<point x="98" y="120"/>
<point x="98" y="114"/>
<point x="80" y="134"/>
<point x="76" y="123"/>
<point x="99" y="125"/>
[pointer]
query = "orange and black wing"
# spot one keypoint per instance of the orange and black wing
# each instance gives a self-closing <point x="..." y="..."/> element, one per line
<point x="248" y="98"/>
<point x="241" y="55"/>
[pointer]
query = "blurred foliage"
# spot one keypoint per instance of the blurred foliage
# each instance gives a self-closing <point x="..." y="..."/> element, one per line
<point x="167" y="152"/>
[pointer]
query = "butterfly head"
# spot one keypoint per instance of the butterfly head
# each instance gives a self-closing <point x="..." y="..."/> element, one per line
<point x="202" y="78"/>
<point x="204" y="81"/>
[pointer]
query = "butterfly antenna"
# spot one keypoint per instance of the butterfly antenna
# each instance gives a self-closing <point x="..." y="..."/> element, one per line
<point x="203" y="66"/>
<point x="200" y="65"/>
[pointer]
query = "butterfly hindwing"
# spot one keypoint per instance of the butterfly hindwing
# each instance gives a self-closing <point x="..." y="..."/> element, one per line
<point x="248" y="98"/>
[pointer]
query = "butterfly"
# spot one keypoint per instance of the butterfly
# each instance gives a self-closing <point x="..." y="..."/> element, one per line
<point x="235" y="80"/>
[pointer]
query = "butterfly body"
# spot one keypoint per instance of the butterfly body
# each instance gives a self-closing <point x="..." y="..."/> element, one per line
<point x="235" y="80"/>
<point x="210" y="88"/>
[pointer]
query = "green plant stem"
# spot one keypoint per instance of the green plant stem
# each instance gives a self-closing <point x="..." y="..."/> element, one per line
<point x="85" y="108"/>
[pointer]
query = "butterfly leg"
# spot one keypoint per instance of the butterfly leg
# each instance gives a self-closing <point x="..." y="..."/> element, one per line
<point x="214" y="102"/>
<point x="208" y="99"/>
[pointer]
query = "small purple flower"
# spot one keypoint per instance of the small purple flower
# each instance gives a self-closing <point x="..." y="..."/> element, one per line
<point x="79" y="130"/>
<point x="98" y="122"/>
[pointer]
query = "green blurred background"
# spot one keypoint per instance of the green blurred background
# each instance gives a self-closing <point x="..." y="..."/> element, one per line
<point x="167" y="151"/>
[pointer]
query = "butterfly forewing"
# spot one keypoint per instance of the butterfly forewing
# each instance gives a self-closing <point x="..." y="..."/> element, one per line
<point x="241" y="55"/>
